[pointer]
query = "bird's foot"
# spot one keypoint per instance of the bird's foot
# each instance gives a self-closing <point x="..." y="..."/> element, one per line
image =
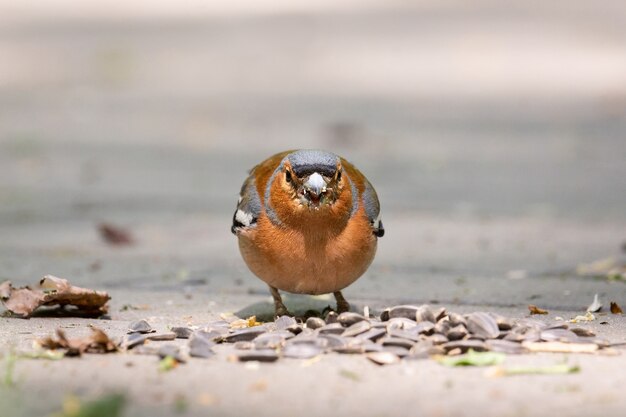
<point x="342" y="304"/>
<point x="279" y="307"/>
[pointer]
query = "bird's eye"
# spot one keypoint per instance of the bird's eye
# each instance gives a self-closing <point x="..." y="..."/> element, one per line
<point x="338" y="175"/>
<point x="288" y="176"/>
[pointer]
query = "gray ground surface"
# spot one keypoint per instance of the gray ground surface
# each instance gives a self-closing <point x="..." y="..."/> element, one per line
<point x="495" y="136"/>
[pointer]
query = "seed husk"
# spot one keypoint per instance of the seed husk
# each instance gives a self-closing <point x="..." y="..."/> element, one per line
<point x="396" y="341"/>
<point x="314" y="323"/>
<point x="200" y="347"/>
<point x="458" y="332"/>
<point x="559" y="335"/>
<point x="286" y="323"/>
<point x="140" y="326"/>
<point x="482" y="325"/>
<point x="465" y="345"/>
<point x="244" y="335"/>
<point x="269" y="341"/>
<point x="172" y="351"/>
<point x="441" y="327"/>
<point x="159" y="337"/>
<point x="424" y="313"/>
<point x="357" y="328"/>
<point x="333" y="328"/>
<point x="400" y="323"/>
<point x="383" y="357"/>
<point x="265" y="355"/>
<point x="242" y="345"/>
<point x="331" y="317"/>
<point x="301" y="350"/>
<point x="182" y="332"/>
<point x="455" y="319"/>
<point x="402" y="311"/>
<point x="504" y="346"/>
<point x="372" y="334"/>
<point x="349" y="318"/>
<point x="581" y="332"/>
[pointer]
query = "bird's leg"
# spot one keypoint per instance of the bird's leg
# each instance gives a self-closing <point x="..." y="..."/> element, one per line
<point x="342" y="304"/>
<point x="279" y="307"/>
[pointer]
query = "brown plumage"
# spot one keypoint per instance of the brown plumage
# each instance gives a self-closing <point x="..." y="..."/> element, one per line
<point x="308" y="223"/>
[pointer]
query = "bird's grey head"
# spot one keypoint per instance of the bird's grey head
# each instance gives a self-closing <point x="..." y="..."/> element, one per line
<point x="315" y="176"/>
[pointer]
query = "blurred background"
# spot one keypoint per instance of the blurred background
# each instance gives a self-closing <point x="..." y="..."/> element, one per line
<point x="494" y="133"/>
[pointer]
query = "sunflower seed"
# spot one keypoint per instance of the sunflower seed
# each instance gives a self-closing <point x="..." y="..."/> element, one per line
<point x="372" y="334"/>
<point x="424" y="313"/>
<point x="182" y="332"/>
<point x="349" y="318"/>
<point x="465" y="345"/>
<point x="455" y="319"/>
<point x="383" y="358"/>
<point x="396" y="341"/>
<point x="579" y="331"/>
<point x="457" y="332"/>
<point x="286" y="323"/>
<point x="200" y="347"/>
<point x="403" y="311"/>
<point x="357" y="328"/>
<point x="314" y="323"/>
<point x="140" y="326"/>
<point x="172" y="351"/>
<point x="301" y="351"/>
<point x="161" y="336"/>
<point x="269" y="341"/>
<point x="333" y="328"/>
<point x="482" y="325"/>
<point x="266" y="355"/>
<point x="559" y="335"/>
<point x="504" y="346"/>
<point x="245" y="335"/>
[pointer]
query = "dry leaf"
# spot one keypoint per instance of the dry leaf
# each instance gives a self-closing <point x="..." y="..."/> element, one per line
<point x="97" y="342"/>
<point x="615" y="308"/>
<point x="53" y="291"/>
<point x="115" y="235"/>
<point x="536" y="310"/>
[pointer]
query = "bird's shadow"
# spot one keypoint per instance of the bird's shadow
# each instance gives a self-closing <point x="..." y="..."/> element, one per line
<point x="301" y="306"/>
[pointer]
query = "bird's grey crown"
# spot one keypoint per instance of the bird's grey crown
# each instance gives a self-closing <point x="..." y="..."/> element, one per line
<point x="308" y="161"/>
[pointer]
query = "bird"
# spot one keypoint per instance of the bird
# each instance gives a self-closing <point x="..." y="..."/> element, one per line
<point x="307" y="222"/>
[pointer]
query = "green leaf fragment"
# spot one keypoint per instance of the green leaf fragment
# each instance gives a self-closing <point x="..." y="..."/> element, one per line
<point x="167" y="364"/>
<point x="473" y="358"/>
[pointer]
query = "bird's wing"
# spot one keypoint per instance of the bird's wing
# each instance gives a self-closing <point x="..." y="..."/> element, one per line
<point x="248" y="207"/>
<point x="372" y="209"/>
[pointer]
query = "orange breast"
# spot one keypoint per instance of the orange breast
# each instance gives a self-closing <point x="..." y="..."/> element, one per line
<point x="309" y="260"/>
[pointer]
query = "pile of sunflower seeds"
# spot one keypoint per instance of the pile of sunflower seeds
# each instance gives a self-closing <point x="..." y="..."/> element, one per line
<point x="404" y="332"/>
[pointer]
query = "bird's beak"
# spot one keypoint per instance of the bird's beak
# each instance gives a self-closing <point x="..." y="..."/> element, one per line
<point x="314" y="187"/>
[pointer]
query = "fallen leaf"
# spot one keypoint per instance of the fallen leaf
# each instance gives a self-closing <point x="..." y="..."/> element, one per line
<point x="472" y="358"/>
<point x="595" y="306"/>
<point x="97" y="342"/>
<point x="560" y="347"/>
<point x="115" y="235"/>
<point x="536" y="310"/>
<point x="615" y="308"/>
<point x="564" y="368"/>
<point x="53" y="291"/>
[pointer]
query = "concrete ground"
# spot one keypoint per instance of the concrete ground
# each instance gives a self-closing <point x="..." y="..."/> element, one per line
<point x="493" y="133"/>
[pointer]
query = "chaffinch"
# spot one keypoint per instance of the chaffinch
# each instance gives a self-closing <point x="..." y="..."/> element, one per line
<point x="308" y="222"/>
